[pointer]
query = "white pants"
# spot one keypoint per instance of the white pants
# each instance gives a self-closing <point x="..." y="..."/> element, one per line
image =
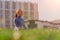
<point x="16" y="28"/>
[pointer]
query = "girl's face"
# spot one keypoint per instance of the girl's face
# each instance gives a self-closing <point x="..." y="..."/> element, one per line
<point x="19" y="13"/>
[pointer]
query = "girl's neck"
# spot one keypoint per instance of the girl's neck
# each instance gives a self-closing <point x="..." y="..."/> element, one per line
<point x="18" y="16"/>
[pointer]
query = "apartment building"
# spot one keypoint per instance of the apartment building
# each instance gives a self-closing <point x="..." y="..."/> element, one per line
<point x="8" y="8"/>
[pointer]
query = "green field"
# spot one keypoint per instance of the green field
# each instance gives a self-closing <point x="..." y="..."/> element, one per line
<point x="31" y="34"/>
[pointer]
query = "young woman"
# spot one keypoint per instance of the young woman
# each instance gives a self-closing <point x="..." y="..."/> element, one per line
<point x="19" y="22"/>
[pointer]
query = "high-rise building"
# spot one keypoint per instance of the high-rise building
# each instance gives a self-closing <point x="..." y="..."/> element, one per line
<point x="8" y="8"/>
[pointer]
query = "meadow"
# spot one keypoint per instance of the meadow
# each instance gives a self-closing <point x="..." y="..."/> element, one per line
<point x="31" y="34"/>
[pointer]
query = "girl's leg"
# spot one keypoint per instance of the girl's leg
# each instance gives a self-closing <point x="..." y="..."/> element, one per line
<point x="16" y="28"/>
<point x="24" y="26"/>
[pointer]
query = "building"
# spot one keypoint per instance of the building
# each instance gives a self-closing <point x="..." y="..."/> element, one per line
<point x="7" y="10"/>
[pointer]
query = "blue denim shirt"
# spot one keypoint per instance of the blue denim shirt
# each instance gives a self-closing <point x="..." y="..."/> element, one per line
<point x="19" y="21"/>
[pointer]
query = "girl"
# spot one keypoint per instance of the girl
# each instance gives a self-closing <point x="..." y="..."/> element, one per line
<point x="19" y="22"/>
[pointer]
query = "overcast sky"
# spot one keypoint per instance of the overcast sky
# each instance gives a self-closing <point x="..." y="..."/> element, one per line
<point x="49" y="9"/>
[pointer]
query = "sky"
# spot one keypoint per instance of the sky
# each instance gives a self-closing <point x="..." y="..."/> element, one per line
<point x="49" y="10"/>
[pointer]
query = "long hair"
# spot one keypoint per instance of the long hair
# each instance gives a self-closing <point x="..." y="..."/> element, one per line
<point x="18" y="12"/>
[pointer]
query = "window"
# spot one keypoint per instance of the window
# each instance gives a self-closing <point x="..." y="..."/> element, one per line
<point x="31" y="6"/>
<point x="1" y="18"/>
<point x="7" y="14"/>
<point x="32" y="15"/>
<point x="25" y="15"/>
<point x="1" y="14"/>
<point x="19" y="3"/>
<point x="13" y="13"/>
<point x="14" y="5"/>
<point x="0" y="4"/>
<point x="7" y="22"/>
<point x="25" y="5"/>
<point x="7" y="18"/>
<point x="7" y="25"/>
<point x="7" y="4"/>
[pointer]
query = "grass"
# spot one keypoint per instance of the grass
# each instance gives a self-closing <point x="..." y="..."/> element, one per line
<point x="5" y="34"/>
<point x="31" y="34"/>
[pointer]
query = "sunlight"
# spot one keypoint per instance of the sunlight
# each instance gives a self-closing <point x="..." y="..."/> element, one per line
<point x="49" y="7"/>
<point x="53" y="3"/>
<point x="57" y="1"/>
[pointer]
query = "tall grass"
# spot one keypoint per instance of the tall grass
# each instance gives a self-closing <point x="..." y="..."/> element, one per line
<point x="6" y="34"/>
<point x="31" y="34"/>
